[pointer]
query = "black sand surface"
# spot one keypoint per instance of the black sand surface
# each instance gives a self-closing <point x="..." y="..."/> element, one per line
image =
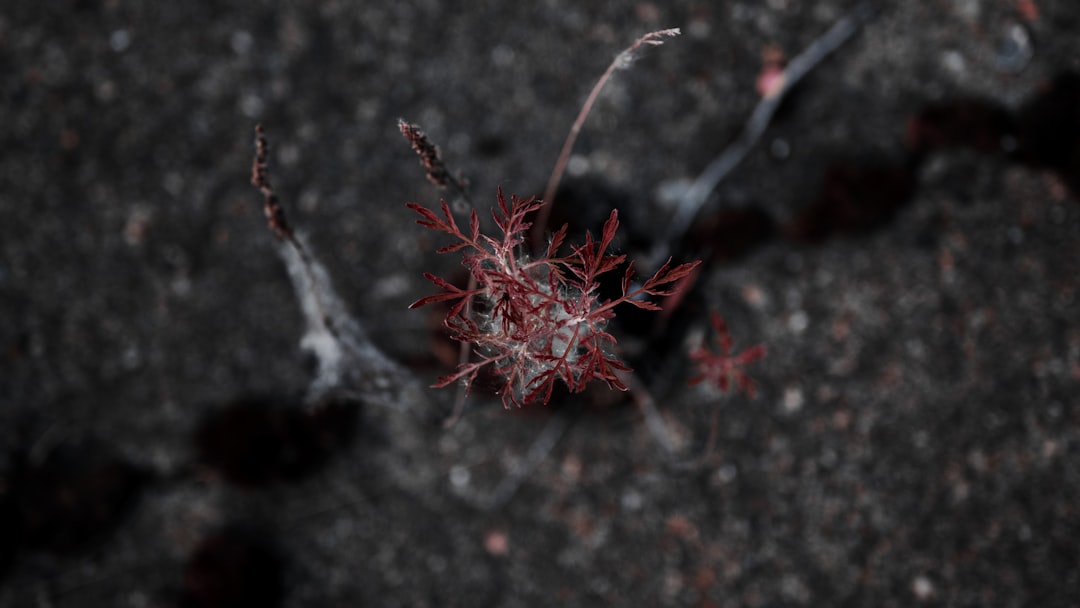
<point x="905" y="240"/>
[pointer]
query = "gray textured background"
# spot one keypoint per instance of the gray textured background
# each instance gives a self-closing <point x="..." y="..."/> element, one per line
<point x="917" y="434"/>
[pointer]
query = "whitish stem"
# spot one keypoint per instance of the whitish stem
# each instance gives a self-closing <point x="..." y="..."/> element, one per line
<point x="698" y="193"/>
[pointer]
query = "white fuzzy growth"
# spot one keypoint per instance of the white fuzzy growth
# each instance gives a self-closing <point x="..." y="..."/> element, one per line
<point x="347" y="359"/>
<point x="564" y="342"/>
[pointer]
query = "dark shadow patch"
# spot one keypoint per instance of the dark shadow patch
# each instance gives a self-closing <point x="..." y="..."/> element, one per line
<point x="9" y="525"/>
<point x="975" y="124"/>
<point x="1044" y="133"/>
<point x="729" y="236"/>
<point x="234" y="568"/>
<point x="584" y="204"/>
<point x="73" y="498"/>
<point x="489" y="146"/>
<point x="1049" y="129"/>
<point x="254" y="441"/>
<point x="853" y="199"/>
<point x="860" y="198"/>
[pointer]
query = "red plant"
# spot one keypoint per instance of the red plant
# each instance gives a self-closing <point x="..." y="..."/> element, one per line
<point x="535" y="321"/>
<point x="721" y="369"/>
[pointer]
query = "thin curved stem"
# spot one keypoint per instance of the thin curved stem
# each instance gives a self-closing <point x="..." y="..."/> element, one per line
<point x="622" y="60"/>
<point x="696" y="196"/>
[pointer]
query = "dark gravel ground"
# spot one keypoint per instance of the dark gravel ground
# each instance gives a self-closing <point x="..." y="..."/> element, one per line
<point x="917" y="433"/>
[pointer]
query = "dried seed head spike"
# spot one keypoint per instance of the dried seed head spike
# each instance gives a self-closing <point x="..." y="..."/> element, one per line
<point x="260" y="178"/>
<point x="625" y="58"/>
<point x="430" y="157"/>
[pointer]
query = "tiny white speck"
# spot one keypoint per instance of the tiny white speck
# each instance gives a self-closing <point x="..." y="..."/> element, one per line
<point x="241" y="42"/>
<point x="459" y="476"/>
<point x="953" y="61"/>
<point x="828" y="459"/>
<point x="391" y="286"/>
<point x="251" y="106"/>
<point x="793" y="399"/>
<point x="436" y="563"/>
<point x="578" y="165"/>
<point x="132" y="358"/>
<point x="780" y="148"/>
<point x="120" y="40"/>
<point x="671" y="191"/>
<point x="922" y="587"/>
<point x="1024" y="533"/>
<point x="288" y="154"/>
<point x="181" y="286"/>
<point x="631" y="500"/>
<point x="798" y="321"/>
<point x="502" y="56"/>
<point x="173" y="183"/>
<point x="727" y="473"/>
<point x="700" y="29"/>
<point x="1016" y="235"/>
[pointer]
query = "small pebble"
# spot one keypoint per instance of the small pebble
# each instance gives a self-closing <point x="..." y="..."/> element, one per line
<point x="1014" y="49"/>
